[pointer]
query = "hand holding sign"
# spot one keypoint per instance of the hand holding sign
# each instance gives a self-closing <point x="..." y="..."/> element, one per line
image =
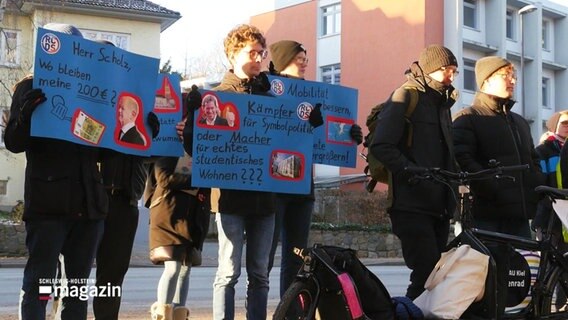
<point x="153" y="123"/>
<point x="30" y="101"/>
<point x="356" y="133"/>
<point x="194" y="99"/>
<point x="316" y="118"/>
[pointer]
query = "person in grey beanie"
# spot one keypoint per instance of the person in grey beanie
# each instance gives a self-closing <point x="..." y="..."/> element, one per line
<point x="490" y="130"/>
<point x="419" y="212"/>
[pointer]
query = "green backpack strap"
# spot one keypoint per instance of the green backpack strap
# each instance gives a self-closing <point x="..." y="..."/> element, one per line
<point x="409" y="111"/>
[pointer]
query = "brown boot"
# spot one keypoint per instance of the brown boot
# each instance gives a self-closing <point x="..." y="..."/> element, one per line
<point x="181" y="313"/>
<point x="161" y="311"/>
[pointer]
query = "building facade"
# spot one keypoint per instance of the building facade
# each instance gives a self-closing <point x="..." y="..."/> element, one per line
<point x="368" y="44"/>
<point x="133" y="25"/>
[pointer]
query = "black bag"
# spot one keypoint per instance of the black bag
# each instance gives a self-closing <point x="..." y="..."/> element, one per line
<point x="374" y="297"/>
<point x="375" y="169"/>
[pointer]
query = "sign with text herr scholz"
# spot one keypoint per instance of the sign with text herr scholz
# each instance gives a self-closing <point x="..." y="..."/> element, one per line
<point x="251" y="142"/>
<point x="97" y="94"/>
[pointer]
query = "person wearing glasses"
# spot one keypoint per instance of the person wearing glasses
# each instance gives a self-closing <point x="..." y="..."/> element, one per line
<point x="239" y="212"/>
<point x="293" y="212"/>
<point x="489" y="130"/>
<point x="420" y="212"/>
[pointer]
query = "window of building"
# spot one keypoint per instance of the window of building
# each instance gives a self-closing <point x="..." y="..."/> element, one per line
<point x="331" y="74"/>
<point x="9" y="53"/>
<point x="469" y="75"/>
<point x="3" y="187"/>
<point x="546" y="34"/>
<point x="470" y="13"/>
<point x="510" y="25"/>
<point x="546" y="93"/>
<point x="118" y="39"/>
<point x="331" y="19"/>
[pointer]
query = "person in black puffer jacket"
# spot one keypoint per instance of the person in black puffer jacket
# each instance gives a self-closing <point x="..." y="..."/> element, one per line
<point x="489" y="130"/>
<point x="420" y="212"/>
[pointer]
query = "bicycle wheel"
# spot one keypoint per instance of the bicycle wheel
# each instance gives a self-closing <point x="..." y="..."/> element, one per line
<point x="298" y="302"/>
<point x="555" y="302"/>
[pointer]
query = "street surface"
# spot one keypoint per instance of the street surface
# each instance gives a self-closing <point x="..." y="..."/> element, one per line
<point x="139" y="290"/>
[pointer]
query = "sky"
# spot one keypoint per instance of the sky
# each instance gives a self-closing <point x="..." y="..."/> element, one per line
<point x="202" y="28"/>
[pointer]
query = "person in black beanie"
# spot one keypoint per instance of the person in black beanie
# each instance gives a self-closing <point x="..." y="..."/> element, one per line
<point x="490" y="130"/>
<point x="420" y="212"/>
<point x="293" y="212"/>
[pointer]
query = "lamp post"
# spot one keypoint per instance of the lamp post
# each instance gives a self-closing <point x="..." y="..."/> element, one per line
<point x="524" y="10"/>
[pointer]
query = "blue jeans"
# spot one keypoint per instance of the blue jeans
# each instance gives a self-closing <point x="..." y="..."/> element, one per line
<point x="292" y="226"/>
<point x="76" y="241"/>
<point x="232" y="229"/>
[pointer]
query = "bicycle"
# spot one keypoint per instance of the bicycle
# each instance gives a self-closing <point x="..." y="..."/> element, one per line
<point x="552" y="276"/>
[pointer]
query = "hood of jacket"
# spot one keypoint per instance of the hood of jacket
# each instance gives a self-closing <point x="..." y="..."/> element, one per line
<point x="442" y="95"/>
<point x="493" y="103"/>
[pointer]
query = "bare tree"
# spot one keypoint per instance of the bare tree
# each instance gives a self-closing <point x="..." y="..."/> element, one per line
<point x="212" y="65"/>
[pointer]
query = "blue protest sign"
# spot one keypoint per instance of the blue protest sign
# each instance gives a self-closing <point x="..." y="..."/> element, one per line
<point x="98" y="94"/>
<point x="251" y="142"/>
<point x="332" y="142"/>
<point x="168" y="108"/>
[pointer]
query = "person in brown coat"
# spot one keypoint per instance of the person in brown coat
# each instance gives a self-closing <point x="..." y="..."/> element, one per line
<point x="179" y="218"/>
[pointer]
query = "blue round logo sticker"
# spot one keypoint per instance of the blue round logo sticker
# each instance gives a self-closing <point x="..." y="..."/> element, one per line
<point x="277" y="87"/>
<point x="50" y="43"/>
<point x="304" y="110"/>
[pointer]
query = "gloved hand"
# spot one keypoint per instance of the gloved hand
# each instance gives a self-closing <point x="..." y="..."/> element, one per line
<point x="194" y="99"/>
<point x="316" y="118"/>
<point x="356" y="133"/>
<point x="408" y="177"/>
<point x="261" y="83"/>
<point x="153" y="123"/>
<point x="28" y="102"/>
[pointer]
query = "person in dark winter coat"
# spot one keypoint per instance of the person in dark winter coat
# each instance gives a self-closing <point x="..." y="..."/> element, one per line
<point x="420" y="212"/>
<point x="65" y="204"/>
<point x="489" y="130"/>
<point x="240" y="211"/>
<point x="123" y="176"/>
<point x="294" y="212"/>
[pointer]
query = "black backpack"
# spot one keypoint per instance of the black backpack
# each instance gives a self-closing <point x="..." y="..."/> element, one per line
<point x="373" y="296"/>
<point x="375" y="169"/>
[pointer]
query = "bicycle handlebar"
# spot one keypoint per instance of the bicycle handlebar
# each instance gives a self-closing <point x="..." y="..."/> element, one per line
<point x="464" y="176"/>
